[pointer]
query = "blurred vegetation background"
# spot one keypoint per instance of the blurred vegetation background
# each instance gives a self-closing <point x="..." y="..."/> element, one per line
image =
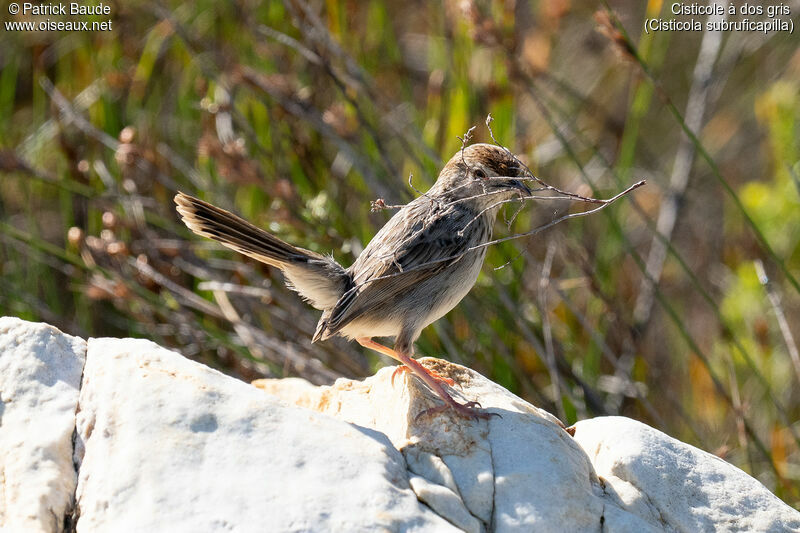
<point x="677" y="306"/>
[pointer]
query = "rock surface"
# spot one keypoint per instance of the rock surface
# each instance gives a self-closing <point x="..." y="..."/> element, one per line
<point x="40" y="376"/>
<point x="171" y="445"/>
<point x="520" y="471"/>
<point x="684" y="487"/>
<point x="166" y="444"/>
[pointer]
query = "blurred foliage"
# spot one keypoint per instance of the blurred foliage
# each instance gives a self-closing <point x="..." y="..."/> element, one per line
<point x="297" y="115"/>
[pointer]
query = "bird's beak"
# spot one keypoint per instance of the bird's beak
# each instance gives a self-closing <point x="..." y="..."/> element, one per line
<point x="520" y="186"/>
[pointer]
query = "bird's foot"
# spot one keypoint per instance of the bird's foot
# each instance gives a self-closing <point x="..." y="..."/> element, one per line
<point x="470" y="410"/>
<point x="432" y="379"/>
<point x="432" y="373"/>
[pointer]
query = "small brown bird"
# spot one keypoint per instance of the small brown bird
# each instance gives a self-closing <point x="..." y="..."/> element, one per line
<point x="416" y="268"/>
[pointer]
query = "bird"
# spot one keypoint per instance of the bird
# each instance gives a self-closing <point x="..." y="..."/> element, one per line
<point x="416" y="268"/>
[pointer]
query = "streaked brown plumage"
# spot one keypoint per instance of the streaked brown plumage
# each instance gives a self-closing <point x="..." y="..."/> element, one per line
<point x="415" y="269"/>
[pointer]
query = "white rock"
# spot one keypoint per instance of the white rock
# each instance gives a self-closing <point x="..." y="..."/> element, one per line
<point x="165" y="444"/>
<point x="429" y="466"/>
<point x="688" y="489"/>
<point x="40" y="374"/>
<point x="474" y="477"/>
<point x="521" y="472"/>
<point x="446" y="503"/>
<point x="170" y="445"/>
<point x="632" y="499"/>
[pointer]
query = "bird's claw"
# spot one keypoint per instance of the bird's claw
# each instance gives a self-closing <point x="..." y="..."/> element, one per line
<point x="470" y="410"/>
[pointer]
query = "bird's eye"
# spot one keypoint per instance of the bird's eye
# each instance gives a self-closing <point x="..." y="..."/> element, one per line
<point x="480" y="174"/>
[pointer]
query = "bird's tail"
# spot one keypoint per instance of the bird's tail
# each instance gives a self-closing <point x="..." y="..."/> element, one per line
<point x="318" y="279"/>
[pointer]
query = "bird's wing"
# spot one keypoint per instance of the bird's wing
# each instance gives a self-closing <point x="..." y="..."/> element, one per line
<point x="411" y="248"/>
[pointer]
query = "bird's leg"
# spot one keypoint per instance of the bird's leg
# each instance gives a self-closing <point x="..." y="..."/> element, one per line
<point x="467" y="410"/>
<point x="366" y="342"/>
<point x="403" y="368"/>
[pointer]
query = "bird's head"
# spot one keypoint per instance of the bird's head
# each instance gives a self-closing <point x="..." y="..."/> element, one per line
<point x="482" y="174"/>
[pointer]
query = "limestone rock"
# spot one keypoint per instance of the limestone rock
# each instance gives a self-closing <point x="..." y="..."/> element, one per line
<point x="524" y="472"/>
<point x="170" y="445"/>
<point x="686" y="488"/>
<point x="520" y="471"/>
<point x="40" y="376"/>
<point x="165" y="444"/>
